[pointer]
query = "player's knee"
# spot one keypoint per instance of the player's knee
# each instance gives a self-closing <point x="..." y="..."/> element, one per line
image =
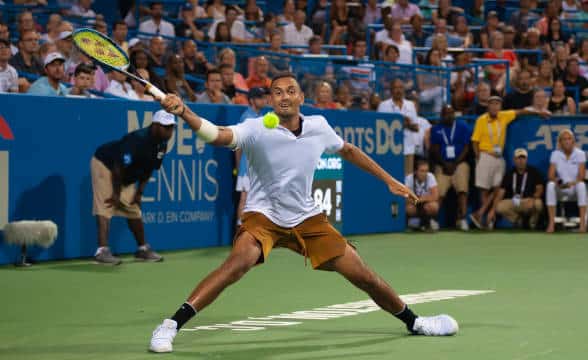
<point x="431" y="208"/>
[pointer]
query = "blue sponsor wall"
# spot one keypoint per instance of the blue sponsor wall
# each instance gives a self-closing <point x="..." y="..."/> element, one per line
<point x="188" y="203"/>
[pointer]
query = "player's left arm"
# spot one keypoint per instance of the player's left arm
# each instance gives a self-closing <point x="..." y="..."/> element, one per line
<point x="357" y="157"/>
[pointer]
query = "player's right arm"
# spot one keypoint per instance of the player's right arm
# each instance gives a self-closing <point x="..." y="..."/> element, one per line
<point x="207" y="131"/>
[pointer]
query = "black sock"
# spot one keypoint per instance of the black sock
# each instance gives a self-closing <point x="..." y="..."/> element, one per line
<point x="184" y="313"/>
<point x="407" y="317"/>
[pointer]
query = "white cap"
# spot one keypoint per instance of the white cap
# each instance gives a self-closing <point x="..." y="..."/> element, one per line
<point x="133" y="42"/>
<point x="51" y="57"/>
<point x="164" y="118"/>
<point x="64" y="35"/>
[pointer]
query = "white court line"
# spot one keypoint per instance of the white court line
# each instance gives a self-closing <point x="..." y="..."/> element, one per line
<point x="333" y="311"/>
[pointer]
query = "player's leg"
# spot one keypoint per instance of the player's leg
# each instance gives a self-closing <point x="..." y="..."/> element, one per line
<point x="245" y="254"/>
<point x="352" y="267"/>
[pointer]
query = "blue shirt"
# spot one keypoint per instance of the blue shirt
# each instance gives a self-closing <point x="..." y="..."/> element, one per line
<point x="249" y="113"/>
<point x="138" y="153"/>
<point x="461" y="137"/>
<point x="41" y="86"/>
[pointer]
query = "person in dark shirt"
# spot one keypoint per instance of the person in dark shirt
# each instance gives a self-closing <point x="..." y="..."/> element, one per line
<point x="522" y="96"/>
<point x="521" y="192"/>
<point x="26" y="60"/>
<point x="116" y="168"/>
<point x="574" y="79"/>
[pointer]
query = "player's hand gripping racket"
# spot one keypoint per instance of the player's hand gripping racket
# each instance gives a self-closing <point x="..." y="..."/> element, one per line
<point x="102" y="49"/>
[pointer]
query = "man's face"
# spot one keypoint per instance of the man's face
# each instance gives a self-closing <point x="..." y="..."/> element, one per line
<point x="157" y="11"/>
<point x="228" y="76"/>
<point x="447" y="115"/>
<point x="120" y="32"/>
<point x="483" y="92"/>
<point x="359" y="49"/>
<point x="4" y="33"/>
<point x="259" y="102"/>
<point x="286" y="97"/>
<point x="55" y="70"/>
<point x="397" y="90"/>
<point x="29" y="42"/>
<point x="65" y="45"/>
<point x="26" y="22"/>
<point x="299" y="18"/>
<point x="441" y="27"/>
<point x="524" y="81"/>
<point x="276" y="41"/>
<point x="421" y="172"/>
<point x="157" y="46"/>
<point x="231" y="16"/>
<point x="521" y="162"/>
<point x="163" y="133"/>
<point x="315" y="47"/>
<point x="190" y="49"/>
<point x="214" y="82"/>
<point x="494" y="107"/>
<point x="261" y="67"/>
<point x="83" y="81"/>
<point x="573" y="68"/>
<point x="5" y="52"/>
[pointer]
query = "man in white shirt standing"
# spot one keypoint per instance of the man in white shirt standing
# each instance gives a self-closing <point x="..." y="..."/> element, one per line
<point x="280" y="211"/>
<point x="156" y="25"/>
<point x="297" y="33"/>
<point x="8" y="74"/>
<point x="423" y="183"/>
<point x="567" y="168"/>
<point x="398" y="104"/>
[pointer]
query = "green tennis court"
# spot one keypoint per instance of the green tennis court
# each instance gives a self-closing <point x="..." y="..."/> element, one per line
<point x="78" y="310"/>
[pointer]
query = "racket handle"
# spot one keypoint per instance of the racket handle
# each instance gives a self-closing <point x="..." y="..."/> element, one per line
<point x="151" y="89"/>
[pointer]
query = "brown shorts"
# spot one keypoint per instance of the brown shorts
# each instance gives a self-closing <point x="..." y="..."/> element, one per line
<point x="459" y="180"/>
<point x="314" y="238"/>
<point x="102" y="191"/>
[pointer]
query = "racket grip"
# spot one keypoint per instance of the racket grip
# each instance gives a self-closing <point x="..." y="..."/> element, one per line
<point x="158" y="94"/>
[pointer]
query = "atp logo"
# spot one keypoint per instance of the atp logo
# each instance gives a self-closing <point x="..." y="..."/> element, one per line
<point x="5" y="134"/>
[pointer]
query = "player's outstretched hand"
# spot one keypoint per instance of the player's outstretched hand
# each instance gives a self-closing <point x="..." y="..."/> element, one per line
<point x="173" y="104"/>
<point x="400" y="189"/>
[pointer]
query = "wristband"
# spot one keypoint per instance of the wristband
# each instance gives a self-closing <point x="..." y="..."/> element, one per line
<point x="208" y="131"/>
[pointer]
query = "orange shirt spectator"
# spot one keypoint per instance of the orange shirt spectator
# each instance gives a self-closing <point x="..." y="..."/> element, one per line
<point x="259" y="77"/>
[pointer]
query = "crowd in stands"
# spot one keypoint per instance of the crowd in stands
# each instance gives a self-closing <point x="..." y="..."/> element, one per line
<point x="427" y="60"/>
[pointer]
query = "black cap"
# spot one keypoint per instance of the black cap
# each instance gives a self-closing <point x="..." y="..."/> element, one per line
<point x="257" y="92"/>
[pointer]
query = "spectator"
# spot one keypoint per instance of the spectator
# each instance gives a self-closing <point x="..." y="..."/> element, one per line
<point x="314" y="46"/>
<point x="297" y="33"/>
<point x="157" y="48"/>
<point x="509" y="37"/>
<point x="198" y="11"/>
<point x="567" y="169"/>
<point x="431" y="85"/>
<point x="402" y="11"/>
<point x="531" y="42"/>
<point x="398" y="104"/>
<point x="447" y="12"/>
<point x="269" y="26"/>
<point x="279" y="62"/>
<point x="490" y="27"/>
<point x="555" y="37"/>
<point x="374" y="101"/>
<point x="83" y="9"/>
<point x="488" y="139"/>
<point x="187" y="28"/>
<point x="423" y="184"/>
<point x="238" y="32"/>
<point x="382" y="37"/>
<point x="417" y="36"/>
<point x="560" y="62"/>
<point x="222" y="33"/>
<point x="195" y="62"/>
<point x="216" y="9"/>
<point x="544" y="77"/>
<point x="120" y="87"/>
<point x="139" y="87"/>
<point x="583" y="57"/>
<point x="288" y="12"/>
<point x="26" y="61"/>
<point x="47" y="48"/>
<point x="259" y="77"/>
<point x="135" y="44"/>
<point x="252" y="11"/>
<point x="324" y="97"/>
<point x="521" y="18"/>
<point x="550" y="12"/>
<point x="101" y="26"/>
<point x="483" y="93"/>
<point x="560" y="103"/>
<point x="5" y="35"/>
<point x="8" y="74"/>
<point x="540" y="101"/>
<point x="343" y="97"/>
<point x="213" y="93"/>
<point x="462" y="83"/>
<point x="450" y="146"/>
<point x="522" y="95"/>
<point x="440" y="43"/>
<point x="156" y="24"/>
<point x="573" y="79"/>
<point x="404" y="47"/>
<point x="227" y="56"/>
<point x="427" y="8"/>
<point x="139" y="59"/>
<point x="120" y="31"/>
<point x="83" y="81"/>
<point x="175" y="81"/>
<point x="463" y="32"/>
<point x="25" y="22"/>
<point x="497" y="72"/>
<point x="65" y="46"/>
<point x="372" y="13"/>
<point x="519" y="197"/>
<point x="52" y="26"/>
<point x="50" y="85"/>
<point x="441" y="29"/>
<point x="339" y="22"/>
<point x="229" y="88"/>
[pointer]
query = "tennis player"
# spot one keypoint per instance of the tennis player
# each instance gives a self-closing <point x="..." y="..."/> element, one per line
<point x="280" y="211"/>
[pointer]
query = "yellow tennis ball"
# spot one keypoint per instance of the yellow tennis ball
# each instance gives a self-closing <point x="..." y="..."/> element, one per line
<point x="271" y="120"/>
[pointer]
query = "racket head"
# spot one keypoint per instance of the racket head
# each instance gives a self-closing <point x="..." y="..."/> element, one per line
<point x="100" y="48"/>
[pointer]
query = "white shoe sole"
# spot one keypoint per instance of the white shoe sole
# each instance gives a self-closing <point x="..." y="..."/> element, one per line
<point x="159" y="350"/>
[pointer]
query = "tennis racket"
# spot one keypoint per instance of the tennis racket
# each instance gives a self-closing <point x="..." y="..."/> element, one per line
<point x="106" y="52"/>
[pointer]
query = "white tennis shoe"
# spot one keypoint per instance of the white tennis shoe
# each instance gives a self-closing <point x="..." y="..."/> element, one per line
<point x="440" y="325"/>
<point x="163" y="337"/>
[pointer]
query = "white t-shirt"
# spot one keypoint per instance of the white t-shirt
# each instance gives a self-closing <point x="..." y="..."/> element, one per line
<point x="238" y="30"/>
<point x="567" y="169"/>
<point x="421" y="188"/>
<point x="404" y="49"/>
<point x="8" y="79"/>
<point x="408" y="110"/>
<point x="124" y="91"/>
<point x="281" y="166"/>
<point x="165" y="28"/>
<point x="294" y="37"/>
